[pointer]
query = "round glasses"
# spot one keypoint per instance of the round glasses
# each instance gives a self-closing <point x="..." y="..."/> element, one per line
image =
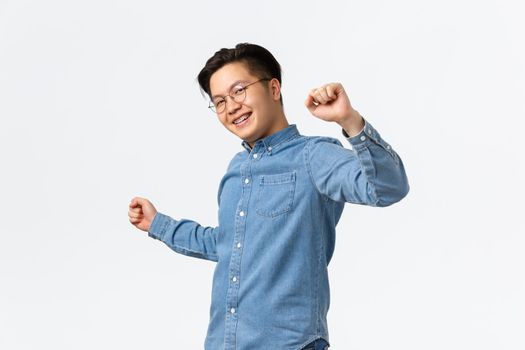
<point x="237" y="93"/>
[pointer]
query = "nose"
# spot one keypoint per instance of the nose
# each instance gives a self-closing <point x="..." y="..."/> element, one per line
<point x="232" y="105"/>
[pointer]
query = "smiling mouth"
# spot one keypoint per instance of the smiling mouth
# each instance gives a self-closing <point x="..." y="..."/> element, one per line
<point x="242" y="119"/>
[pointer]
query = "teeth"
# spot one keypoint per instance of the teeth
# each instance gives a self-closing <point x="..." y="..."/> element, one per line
<point x="244" y="117"/>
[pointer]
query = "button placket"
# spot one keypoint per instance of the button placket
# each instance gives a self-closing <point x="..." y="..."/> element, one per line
<point x="232" y="297"/>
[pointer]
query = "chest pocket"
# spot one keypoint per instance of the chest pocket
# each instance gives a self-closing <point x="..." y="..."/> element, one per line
<point x="276" y="194"/>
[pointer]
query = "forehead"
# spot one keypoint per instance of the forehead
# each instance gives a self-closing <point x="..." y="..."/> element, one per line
<point x="228" y="76"/>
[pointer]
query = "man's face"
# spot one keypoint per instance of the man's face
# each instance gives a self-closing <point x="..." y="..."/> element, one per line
<point x="260" y="104"/>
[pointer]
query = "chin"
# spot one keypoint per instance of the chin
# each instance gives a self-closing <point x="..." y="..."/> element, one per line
<point x="246" y="132"/>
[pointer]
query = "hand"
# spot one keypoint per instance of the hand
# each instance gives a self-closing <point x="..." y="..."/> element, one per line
<point x="141" y="213"/>
<point x="330" y="103"/>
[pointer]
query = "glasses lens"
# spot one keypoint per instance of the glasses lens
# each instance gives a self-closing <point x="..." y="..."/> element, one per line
<point x="219" y="106"/>
<point x="238" y="93"/>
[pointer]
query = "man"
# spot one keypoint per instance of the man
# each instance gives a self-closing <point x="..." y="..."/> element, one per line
<point x="279" y="203"/>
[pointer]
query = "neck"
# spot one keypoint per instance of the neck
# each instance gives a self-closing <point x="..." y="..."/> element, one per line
<point x="279" y="125"/>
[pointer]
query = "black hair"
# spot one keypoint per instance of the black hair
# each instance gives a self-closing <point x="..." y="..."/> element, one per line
<point x="259" y="61"/>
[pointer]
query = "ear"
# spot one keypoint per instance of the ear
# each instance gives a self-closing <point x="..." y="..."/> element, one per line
<point x="275" y="89"/>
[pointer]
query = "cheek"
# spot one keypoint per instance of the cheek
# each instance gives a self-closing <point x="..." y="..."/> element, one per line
<point x="255" y="105"/>
<point x="249" y="103"/>
<point x="263" y="109"/>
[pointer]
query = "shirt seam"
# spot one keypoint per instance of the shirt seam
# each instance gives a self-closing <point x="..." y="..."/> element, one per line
<point x="197" y="253"/>
<point x="308" y="168"/>
<point x="293" y="137"/>
<point x="365" y="171"/>
<point x="317" y="311"/>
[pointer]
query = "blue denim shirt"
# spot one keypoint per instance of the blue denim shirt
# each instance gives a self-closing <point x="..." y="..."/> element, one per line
<point x="279" y="204"/>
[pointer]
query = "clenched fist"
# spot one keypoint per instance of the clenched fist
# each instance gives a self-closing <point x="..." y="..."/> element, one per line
<point x="141" y="213"/>
<point x="331" y="103"/>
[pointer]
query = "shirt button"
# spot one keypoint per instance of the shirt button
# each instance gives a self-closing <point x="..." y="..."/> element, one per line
<point x="255" y="156"/>
<point x="246" y="180"/>
<point x="270" y="148"/>
<point x="241" y="213"/>
<point x="232" y="310"/>
<point x="363" y="138"/>
<point x="370" y="131"/>
<point x="234" y="279"/>
<point x="238" y="244"/>
<point x="387" y="147"/>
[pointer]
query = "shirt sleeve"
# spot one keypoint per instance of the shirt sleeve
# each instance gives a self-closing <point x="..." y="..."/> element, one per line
<point x="371" y="173"/>
<point x="185" y="236"/>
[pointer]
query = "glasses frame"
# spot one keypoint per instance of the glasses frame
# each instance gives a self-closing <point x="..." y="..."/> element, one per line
<point x="211" y="105"/>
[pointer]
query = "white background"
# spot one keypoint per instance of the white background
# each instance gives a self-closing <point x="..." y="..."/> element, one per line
<point x="99" y="103"/>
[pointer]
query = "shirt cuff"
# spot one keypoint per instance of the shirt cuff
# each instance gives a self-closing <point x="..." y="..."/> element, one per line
<point x="158" y="226"/>
<point x="345" y="134"/>
<point x="361" y="137"/>
<point x="366" y="135"/>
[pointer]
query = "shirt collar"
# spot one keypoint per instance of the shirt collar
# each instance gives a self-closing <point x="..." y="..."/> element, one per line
<point x="274" y="139"/>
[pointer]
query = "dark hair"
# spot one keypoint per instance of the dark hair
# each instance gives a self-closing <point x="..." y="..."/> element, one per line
<point x="259" y="61"/>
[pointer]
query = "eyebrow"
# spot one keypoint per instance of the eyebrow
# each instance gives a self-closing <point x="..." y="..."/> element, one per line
<point x="232" y="85"/>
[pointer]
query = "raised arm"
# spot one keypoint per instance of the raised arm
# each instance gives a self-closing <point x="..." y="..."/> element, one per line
<point x="372" y="173"/>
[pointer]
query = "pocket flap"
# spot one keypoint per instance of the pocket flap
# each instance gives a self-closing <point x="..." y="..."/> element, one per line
<point x="278" y="178"/>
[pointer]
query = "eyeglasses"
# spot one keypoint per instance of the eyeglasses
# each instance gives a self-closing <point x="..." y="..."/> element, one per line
<point x="237" y="93"/>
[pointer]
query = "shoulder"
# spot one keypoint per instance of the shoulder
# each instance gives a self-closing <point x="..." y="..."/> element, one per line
<point x="236" y="159"/>
<point x="321" y="142"/>
<point x="322" y="150"/>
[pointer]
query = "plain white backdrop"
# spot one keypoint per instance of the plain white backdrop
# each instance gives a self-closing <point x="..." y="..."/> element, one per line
<point x="99" y="103"/>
